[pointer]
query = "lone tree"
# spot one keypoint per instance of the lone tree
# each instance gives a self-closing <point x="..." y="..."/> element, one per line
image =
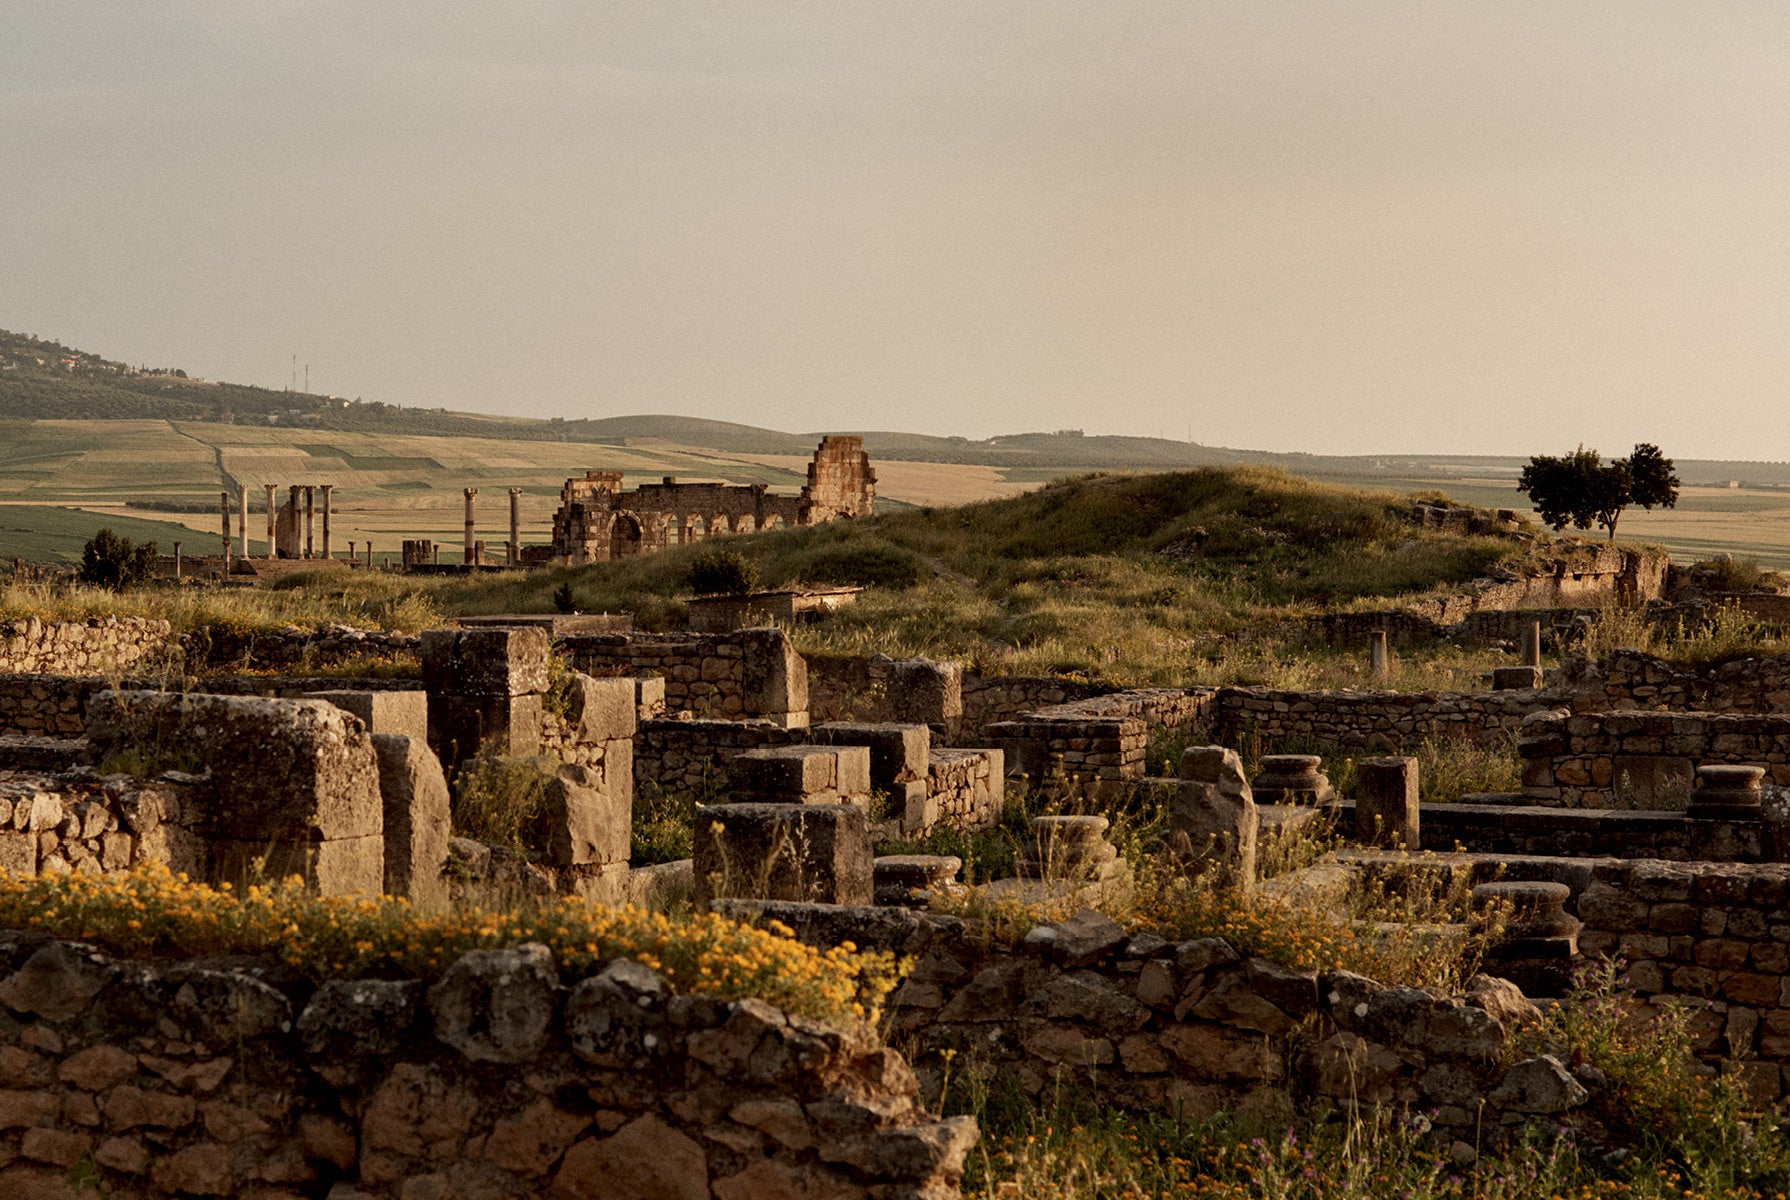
<point x="1581" y="489"/>
<point x="108" y="560"/>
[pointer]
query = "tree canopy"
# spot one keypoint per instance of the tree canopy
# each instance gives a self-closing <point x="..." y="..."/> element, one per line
<point x="1581" y="489"/>
<point x="108" y="560"/>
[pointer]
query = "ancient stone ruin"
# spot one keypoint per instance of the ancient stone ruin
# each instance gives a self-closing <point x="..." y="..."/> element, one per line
<point x="598" y="521"/>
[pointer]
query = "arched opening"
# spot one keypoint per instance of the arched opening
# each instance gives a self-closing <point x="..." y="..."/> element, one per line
<point x="693" y="529"/>
<point x="624" y="536"/>
<point x="718" y="525"/>
<point x="771" y="522"/>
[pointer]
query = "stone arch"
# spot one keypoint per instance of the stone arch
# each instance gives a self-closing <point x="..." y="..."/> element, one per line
<point x="774" y="521"/>
<point x="625" y="536"/>
<point x="693" y="529"/>
<point x="718" y="525"/>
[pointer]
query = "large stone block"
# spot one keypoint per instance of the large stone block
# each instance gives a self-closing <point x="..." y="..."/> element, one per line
<point x="404" y="713"/>
<point x="774" y="677"/>
<point x="819" y="853"/>
<point x="926" y="692"/>
<point x="417" y="818"/>
<point x="485" y="662"/>
<point x="599" y="710"/>
<point x="283" y="770"/>
<point x="463" y="727"/>
<point x="801" y="774"/>
<point x="342" y="866"/>
<point x="898" y="753"/>
<point x="587" y="825"/>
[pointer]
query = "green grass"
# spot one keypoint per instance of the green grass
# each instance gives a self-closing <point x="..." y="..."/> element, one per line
<point x="43" y="534"/>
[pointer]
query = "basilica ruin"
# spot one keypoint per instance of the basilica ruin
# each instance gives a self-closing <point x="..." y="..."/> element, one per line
<point x="598" y="521"/>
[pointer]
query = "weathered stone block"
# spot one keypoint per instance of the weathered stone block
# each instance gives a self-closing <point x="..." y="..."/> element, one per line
<point x="414" y="793"/>
<point x="463" y="727"/>
<point x="600" y="710"/>
<point x="1386" y="809"/>
<point x="340" y="866"/>
<point x="587" y="824"/>
<point x="812" y="852"/>
<point x="774" y="678"/>
<point x="925" y="692"/>
<point x="292" y="770"/>
<point x="898" y="753"/>
<point x="404" y="713"/>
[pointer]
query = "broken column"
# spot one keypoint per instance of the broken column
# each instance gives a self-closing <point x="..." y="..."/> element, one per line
<point x="1532" y="644"/>
<point x="485" y="689"/>
<point x="243" y="511"/>
<point x="226" y="507"/>
<point x="1724" y="820"/>
<point x="514" y="556"/>
<point x="327" y="488"/>
<point x="1386" y="810"/>
<point x="310" y="521"/>
<point x="1292" y="779"/>
<point x="1213" y="819"/>
<point x="273" y="545"/>
<point x="1379" y="665"/>
<point x="471" y="550"/>
<point x="818" y="853"/>
<point x="1540" y="939"/>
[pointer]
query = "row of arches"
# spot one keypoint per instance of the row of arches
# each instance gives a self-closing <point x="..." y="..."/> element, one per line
<point x="627" y="536"/>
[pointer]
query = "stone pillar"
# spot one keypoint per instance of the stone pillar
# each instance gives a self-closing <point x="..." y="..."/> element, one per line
<point x="1724" y="821"/>
<point x="369" y="554"/>
<point x="295" y="497"/>
<point x="327" y="488"/>
<point x="352" y="556"/>
<point x="177" y="561"/>
<point x="1540" y="940"/>
<point x="273" y="549"/>
<point x="1531" y="644"/>
<point x="243" y="509"/>
<point x="1386" y="812"/>
<point x="485" y="689"/>
<point x="1378" y="664"/>
<point x="310" y="521"/>
<point x="1292" y="779"/>
<point x="816" y="853"/>
<point x="515" y="554"/>
<point x="471" y="551"/>
<point x="226" y="509"/>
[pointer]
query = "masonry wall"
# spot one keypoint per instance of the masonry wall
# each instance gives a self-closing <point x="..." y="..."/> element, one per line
<point x="686" y="755"/>
<point x="1631" y="679"/>
<point x="1370" y="720"/>
<point x="1634" y="759"/>
<point x="1714" y="934"/>
<point x="296" y="650"/>
<point x="1191" y="1026"/>
<point x="731" y="676"/>
<point x="500" y="1079"/>
<point x="46" y="705"/>
<point x="96" y="646"/>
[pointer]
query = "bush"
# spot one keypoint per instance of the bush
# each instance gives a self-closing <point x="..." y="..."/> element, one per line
<point x="873" y="563"/>
<point x="108" y="560"/>
<point x="720" y="572"/>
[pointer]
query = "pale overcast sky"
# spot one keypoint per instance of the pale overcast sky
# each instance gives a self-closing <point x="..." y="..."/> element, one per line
<point x="1466" y="227"/>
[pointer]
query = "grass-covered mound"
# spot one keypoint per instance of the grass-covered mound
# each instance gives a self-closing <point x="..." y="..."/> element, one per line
<point x="151" y="911"/>
<point x="1131" y="577"/>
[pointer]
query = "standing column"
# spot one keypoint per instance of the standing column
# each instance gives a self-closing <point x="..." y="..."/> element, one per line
<point x="1379" y="665"/>
<point x="1532" y="644"/>
<point x="273" y="550"/>
<point x="177" y="562"/>
<point x="327" y="488"/>
<point x="515" y="527"/>
<point x="470" y="493"/>
<point x="226" y="507"/>
<point x="310" y="521"/>
<point x="242" y="508"/>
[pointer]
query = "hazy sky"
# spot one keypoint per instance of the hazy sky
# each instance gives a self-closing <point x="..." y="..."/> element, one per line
<point x="1501" y="227"/>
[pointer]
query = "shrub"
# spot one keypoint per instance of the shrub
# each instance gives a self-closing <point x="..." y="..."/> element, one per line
<point x="872" y="563"/>
<point x="110" y="561"/>
<point x="722" y="572"/>
<point x="152" y="911"/>
<point x="1730" y="574"/>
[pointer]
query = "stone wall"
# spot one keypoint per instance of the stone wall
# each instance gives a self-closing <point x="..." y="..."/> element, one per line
<point x="219" y="648"/>
<point x="693" y="755"/>
<point x="1533" y="830"/>
<point x="1713" y="934"/>
<point x="54" y="822"/>
<point x="97" y="646"/>
<point x="46" y="705"/>
<point x="499" y="1079"/>
<point x="965" y="789"/>
<point x="1633" y="679"/>
<point x="1636" y="759"/>
<point x="754" y="673"/>
<point x="991" y="698"/>
<point x="1100" y="738"/>
<point x="878" y="688"/>
<point x="1195" y="1026"/>
<point x="1370" y="720"/>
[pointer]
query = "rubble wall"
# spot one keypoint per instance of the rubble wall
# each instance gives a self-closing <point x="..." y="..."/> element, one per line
<point x="96" y="646"/>
<point x="499" y="1079"/>
<point x="1714" y="934"/>
<point x="1625" y="758"/>
<point x="729" y="676"/>
<point x="1370" y="720"/>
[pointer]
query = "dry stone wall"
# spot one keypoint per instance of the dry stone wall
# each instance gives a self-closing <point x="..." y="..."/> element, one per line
<point x="1714" y="934"/>
<point x="1637" y="759"/>
<point x="754" y="673"/>
<point x="501" y="1078"/>
<point x="1370" y="720"/>
<point x="97" y="646"/>
<point x="1196" y="1026"/>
